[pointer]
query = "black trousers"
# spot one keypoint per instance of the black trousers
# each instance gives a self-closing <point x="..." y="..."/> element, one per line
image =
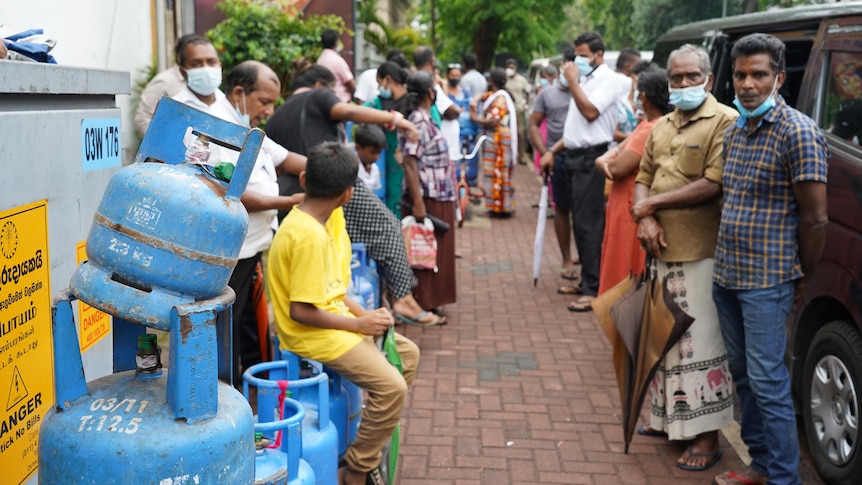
<point x="585" y="186"/>
<point x="246" y="342"/>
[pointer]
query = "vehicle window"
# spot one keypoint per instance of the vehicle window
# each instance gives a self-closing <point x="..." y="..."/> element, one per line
<point x="842" y="112"/>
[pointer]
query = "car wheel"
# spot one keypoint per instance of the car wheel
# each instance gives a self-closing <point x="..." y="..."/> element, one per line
<point x="831" y="402"/>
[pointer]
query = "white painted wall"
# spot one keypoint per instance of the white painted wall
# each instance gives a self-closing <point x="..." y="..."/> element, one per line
<point x="105" y="34"/>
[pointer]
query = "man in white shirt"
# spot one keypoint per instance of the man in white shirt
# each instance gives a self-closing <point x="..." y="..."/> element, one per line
<point x="588" y="130"/>
<point x="253" y="89"/>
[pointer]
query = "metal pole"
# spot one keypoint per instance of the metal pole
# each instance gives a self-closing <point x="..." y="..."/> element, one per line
<point x="724" y="8"/>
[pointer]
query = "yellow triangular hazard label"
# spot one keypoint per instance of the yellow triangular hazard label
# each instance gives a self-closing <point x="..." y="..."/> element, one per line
<point x="17" y="390"/>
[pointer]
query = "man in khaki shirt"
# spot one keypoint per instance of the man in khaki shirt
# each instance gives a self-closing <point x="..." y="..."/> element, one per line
<point x="677" y="206"/>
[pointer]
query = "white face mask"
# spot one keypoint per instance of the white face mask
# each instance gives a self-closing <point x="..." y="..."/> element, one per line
<point x="204" y="80"/>
<point x="510" y="72"/>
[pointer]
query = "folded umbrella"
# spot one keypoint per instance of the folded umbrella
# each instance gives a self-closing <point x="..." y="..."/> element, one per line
<point x="642" y="322"/>
<point x="539" y="240"/>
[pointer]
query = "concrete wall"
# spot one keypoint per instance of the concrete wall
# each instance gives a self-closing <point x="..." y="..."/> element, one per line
<point x="104" y="34"/>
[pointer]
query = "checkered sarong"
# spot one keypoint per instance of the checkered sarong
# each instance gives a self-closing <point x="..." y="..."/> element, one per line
<point x="371" y="223"/>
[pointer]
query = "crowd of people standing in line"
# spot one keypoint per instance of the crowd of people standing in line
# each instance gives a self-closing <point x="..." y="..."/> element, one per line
<point x="642" y="161"/>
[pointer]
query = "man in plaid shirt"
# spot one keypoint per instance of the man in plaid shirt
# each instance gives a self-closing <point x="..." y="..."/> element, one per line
<point x="773" y="230"/>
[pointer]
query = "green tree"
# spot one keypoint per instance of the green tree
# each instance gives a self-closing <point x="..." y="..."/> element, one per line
<point x="516" y="26"/>
<point x="271" y="32"/>
<point x="381" y="35"/>
<point x="613" y="20"/>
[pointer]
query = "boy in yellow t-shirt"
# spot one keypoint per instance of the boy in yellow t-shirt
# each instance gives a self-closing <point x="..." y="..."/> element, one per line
<point x="308" y="271"/>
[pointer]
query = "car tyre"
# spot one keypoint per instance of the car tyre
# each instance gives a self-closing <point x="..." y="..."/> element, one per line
<point x="831" y="387"/>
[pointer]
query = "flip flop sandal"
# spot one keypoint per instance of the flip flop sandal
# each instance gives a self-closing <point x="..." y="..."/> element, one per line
<point x="714" y="457"/>
<point x="570" y="274"/>
<point x="581" y="306"/>
<point x="570" y="290"/>
<point x="418" y="320"/>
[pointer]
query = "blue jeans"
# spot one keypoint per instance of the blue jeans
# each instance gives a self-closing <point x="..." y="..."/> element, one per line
<point x="752" y="324"/>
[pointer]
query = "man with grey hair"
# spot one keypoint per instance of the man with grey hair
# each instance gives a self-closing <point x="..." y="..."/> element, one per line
<point x="677" y="205"/>
<point x="552" y="106"/>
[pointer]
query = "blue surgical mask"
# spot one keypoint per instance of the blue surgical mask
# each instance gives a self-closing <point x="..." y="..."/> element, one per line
<point x="765" y="106"/>
<point x="543" y="82"/>
<point x="385" y="93"/>
<point x="204" y="80"/>
<point x="583" y="64"/>
<point x="564" y="82"/>
<point x="688" y="98"/>
<point x="245" y="119"/>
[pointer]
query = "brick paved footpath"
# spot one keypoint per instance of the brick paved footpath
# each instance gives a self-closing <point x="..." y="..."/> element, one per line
<point x="516" y="389"/>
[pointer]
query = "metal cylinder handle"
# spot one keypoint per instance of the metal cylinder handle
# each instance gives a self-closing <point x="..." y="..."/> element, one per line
<point x="321" y="381"/>
<point x="245" y="163"/>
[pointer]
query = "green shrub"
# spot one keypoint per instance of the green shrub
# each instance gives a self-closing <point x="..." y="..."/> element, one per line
<point x="270" y="32"/>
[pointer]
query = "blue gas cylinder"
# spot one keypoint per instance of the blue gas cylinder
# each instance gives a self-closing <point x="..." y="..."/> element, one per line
<point x="123" y="433"/>
<point x="345" y="398"/>
<point x="365" y="281"/>
<point x="319" y="433"/>
<point x="167" y="232"/>
<point x="280" y="463"/>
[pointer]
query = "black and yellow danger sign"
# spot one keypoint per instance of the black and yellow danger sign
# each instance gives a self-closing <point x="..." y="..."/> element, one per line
<point x="26" y="357"/>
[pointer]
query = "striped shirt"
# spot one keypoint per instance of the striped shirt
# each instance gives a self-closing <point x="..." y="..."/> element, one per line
<point x="757" y="239"/>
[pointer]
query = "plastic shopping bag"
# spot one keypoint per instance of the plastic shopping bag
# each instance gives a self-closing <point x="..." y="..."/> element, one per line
<point x="420" y="242"/>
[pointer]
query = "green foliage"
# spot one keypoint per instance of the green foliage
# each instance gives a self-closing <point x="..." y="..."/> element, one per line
<point x="613" y="20"/>
<point x="515" y="26"/>
<point x="271" y="32"/>
<point x="381" y="35"/>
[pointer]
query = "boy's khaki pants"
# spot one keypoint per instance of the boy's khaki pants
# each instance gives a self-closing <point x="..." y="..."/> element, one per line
<point x="367" y="367"/>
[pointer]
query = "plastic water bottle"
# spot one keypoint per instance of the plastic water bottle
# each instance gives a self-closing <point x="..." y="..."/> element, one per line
<point x="198" y="152"/>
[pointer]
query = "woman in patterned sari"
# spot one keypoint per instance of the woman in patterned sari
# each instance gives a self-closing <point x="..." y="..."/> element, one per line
<point x="496" y="115"/>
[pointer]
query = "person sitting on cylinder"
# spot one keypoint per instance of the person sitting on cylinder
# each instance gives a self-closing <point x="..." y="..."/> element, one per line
<point x="308" y="272"/>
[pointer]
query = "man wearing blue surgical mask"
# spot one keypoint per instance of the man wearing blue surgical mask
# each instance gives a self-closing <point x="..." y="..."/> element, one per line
<point x="773" y="230"/>
<point x="201" y="69"/>
<point x="677" y="205"/>
<point x="594" y="90"/>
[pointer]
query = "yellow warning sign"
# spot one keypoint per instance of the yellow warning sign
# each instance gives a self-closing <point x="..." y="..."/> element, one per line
<point x="17" y="390"/>
<point x="94" y="324"/>
<point x="25" y="337"/>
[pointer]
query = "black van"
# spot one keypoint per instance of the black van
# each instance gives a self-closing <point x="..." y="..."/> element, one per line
<point x="824" y="80"/>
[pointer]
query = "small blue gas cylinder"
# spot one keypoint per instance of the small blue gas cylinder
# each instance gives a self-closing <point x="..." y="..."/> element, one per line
<point x="168" y="229"/>
<point x="319" y="433"/>
<point x="282" y="464"/>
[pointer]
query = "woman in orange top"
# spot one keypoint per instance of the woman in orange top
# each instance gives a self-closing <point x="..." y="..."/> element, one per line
<point x="621" y="251"/>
